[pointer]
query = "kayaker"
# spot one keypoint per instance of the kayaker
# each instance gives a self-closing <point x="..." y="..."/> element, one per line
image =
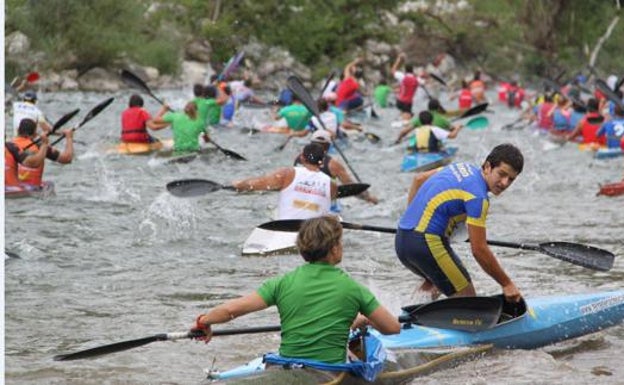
<point x="348" y="96"/>
<point x="305" y="191"/>
<point x="477" y="88"/>
<point x="186" y="126"/>
<point x="15" y="156"/>
<point x="381" y="93"/>
<point x="31" y="176"/>
<point x="438" y="201"/>
<point x="439" y="120"/>
<point x="613" y="130"/>
<point x="27" y="109"/>
<point x="215" y="99"/>
<point x="292" y="120"/>
<point x="588" y="126"/>
<point x="408" y="84"/>
<point x="328" y="118"/>
<point x="428" y="137"/>
<point x="135" y="120"/>
<point x="464" y="96"/>
<point x="332" y="167"/>
<point x="318" y="303"/>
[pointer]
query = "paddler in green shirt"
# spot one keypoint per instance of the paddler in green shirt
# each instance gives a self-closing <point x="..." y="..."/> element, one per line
<point x="439" y="120"/>
<point x="318" y="303"/>
<point x="186" y="126"/>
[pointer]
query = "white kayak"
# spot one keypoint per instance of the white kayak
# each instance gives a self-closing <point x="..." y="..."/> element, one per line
<point x="267" y="242"/>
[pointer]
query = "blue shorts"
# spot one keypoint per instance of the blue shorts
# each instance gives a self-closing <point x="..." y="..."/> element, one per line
<point x="431" y="257"/>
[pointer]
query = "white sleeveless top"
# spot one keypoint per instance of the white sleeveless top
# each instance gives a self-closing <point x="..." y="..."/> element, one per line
<point x="25" y="110"/>
<point x="308" y="196"/>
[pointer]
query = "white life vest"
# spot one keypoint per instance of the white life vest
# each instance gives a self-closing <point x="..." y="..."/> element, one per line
<point x="308" y="196"/>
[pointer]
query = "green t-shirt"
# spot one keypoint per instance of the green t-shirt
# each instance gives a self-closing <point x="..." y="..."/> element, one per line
<point x="214" y="111"/>
<point x="185" y="131"/>
<point x="317" y="303"/>
<point x="202" y="109"/>
<point x="438" y="120"/>
<point x="381" y="93"/>
<point x="297" y="116"/>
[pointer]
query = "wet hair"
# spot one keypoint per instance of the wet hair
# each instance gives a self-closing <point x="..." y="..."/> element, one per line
<point x="592" y="105"/>
<point x="425" y="117"/>
<point x="409" y="68"/>
<point x="317" y="236"/>
<point x="27" y="127"/>
<point x="247" y="83"/>
<point x="227" y="90"/>
<point x="505" y="153"/>
<point x="135" y="101"/>
<point x="191" y="110"/>
<point x="210" y="92"/>
<point x="358" y="72"/>
<point x="618" y="110"/>
<point x="198" y="90"/>
<point x="477" y="75"/>
<point x="322" y="105"/>
<point x="434" y="105"/>
<point x="313" y="153"/>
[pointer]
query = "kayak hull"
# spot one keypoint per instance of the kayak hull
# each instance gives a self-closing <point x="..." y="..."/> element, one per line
<point x="607" y="153"/>
<point x="418" y="162"/>
<point x="263" y="242"/>
<point x="612" y="189"/>
<point x="124" y="148"/>
<point x="47" y="189"/>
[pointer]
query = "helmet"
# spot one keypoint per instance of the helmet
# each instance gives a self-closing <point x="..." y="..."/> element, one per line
<point x="30" y="95"/>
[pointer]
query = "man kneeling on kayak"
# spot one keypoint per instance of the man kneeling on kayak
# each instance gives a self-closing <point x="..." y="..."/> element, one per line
<point x="317" y="302"/>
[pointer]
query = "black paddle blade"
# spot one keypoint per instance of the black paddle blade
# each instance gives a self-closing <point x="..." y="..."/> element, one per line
<point x="347" y="190"/>
<point x="96" y="110"/>
<point x="134" y="81"/>
<point x="186" y="188"/>
<point x="291" y="225"/>
<point x="479" y="108"/>
<point x="372" y="137"/>
<point x="112" y="348"/>
<point x="438" y="79"/>
<point x="295" y="85"/>
<point x="608" y="92"/>
<point x="581" y="255"/>
<point x="64" y="119"/>
<point x="232" y="154"/>
<point x="459" y="313"/>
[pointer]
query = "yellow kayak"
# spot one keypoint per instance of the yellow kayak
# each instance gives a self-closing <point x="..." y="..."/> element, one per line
<point x="124" y="148"/>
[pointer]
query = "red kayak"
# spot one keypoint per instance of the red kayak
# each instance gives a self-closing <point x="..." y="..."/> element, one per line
<point x="612" y="189"/>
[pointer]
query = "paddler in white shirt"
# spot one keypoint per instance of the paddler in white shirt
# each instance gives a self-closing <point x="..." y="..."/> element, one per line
<point x="305" y="191"/>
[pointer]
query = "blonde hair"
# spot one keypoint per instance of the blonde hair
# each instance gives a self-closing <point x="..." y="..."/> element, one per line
<point x="317" y="236"/>
<point x="191" y="110"/>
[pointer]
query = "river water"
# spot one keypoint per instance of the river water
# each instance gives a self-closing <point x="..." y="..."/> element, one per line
<point x="114" y="257"/>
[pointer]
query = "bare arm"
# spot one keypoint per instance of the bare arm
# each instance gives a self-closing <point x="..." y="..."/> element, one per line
<point x="234" y="308"/>
<point x="418" y="181"/>
<point x="397" y="63"/>
<point x="35" y="160"/>
<point x="488" y="262"/>
<point x="274" y="181"/>
<point x="68" y="153"/>
<point x="381" y="319"/>
<point x="157" y="123"/>
<point x="455" y="130"/>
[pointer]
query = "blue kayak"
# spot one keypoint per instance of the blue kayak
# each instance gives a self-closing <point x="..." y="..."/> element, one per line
<point x="423" y="161"/>
<point x="526" y="325"/>
<point x="606" y="153"/>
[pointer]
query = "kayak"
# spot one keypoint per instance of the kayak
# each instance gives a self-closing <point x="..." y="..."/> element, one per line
<point x="263" y="242"/>
<point x="606" y="153"/>
<point x="124" y="148"/>
<point x="532" y="324"/>
<point x="46" y="190"/>
<point x="423" y="161"/>
<point x="612" y="189"/>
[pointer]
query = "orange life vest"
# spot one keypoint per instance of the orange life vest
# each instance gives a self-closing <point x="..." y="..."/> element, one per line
<point x="28" y="175"/>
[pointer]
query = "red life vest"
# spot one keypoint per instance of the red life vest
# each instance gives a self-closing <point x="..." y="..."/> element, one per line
<point x="133" y="125"/>
<point x="502" y="92"/>
<point x="465" y="99"/>
<point x="346" y="90"/>
<point x="543" y="120"/>
<point x="407" y="89"/>
<point x="590" y="124"/>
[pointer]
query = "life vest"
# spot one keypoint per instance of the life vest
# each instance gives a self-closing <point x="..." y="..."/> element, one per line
<point x="426" y="141"/>
<point x="543" y="120"/>
<point x="133" y="125"/>
<point x="12" y="154"/>
<point x="307" y="196"/>
<point x="465" y="99"/>
<point x="407" y="88"/>
<point x="28" y="175"/>
<point x="515" y="95"/>
<point x="503" y="88"/>
<point x="589" y="127"/>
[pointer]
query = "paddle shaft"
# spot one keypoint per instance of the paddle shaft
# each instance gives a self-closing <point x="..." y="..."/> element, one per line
<point x="92" y="114"/>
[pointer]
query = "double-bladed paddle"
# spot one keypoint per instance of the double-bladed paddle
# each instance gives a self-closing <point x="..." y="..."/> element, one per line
<point x="479" y="108"/>
<point x="92" y="114"/>
<point x="438" y="79"/>
<point x="186" y="188"/>
<point x="575" y="253"/>
<point x="59" y="123"/>
<point x="608" y="92"/>
<point x="295" y="85"/>
<point x="134" y="81"/>
<point x="465" y="313"/>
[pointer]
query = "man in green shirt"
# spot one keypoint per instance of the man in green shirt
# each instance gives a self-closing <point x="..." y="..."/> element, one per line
<point x="439" y="120"/>
<point x="186" y="126"/>
<point x="381" y="93"/>
<point x="317" y="302"/>
<point x="296" y="116"/>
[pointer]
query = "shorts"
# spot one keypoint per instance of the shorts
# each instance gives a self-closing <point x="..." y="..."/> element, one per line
<point x="431" y="257"/>
<point x="404" y="107"/>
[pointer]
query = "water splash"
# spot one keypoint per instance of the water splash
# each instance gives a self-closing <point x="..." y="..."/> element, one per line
<point x="167" y="219"/>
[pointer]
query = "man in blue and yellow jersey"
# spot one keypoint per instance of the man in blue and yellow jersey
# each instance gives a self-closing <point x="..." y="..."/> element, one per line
<point x="444" y="198"/>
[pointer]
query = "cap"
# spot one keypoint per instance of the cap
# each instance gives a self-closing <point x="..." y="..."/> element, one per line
<point x="30" y="95"/>
<point x="321" y="136"/>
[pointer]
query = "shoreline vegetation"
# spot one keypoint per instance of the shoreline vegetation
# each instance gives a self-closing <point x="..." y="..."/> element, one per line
<point x="77" y="43"/>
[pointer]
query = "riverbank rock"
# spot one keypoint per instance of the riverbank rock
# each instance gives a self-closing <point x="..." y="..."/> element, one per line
<point x="99" y="79"/>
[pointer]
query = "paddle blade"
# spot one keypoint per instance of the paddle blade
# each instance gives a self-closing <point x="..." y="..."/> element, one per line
<point x="64" y="119"/>
<point x="134" y="81"/>
<point x="608" y="92"/>
<point x="474" y="110"/>
<point x="32" y="77"/>
<point x="459" y="313"/>
<point x="96" y="110"/>
<point x="112" y="348"/>
<point x="186" y="188"/>
<point x="478" y="123"/>
<point x="372" y="137"/>
<point x="295" y="85"/>
<point x="581" y="255"/>
<point x="438" y="79"/>
<point x="291" y="225"/>
<point x="347" y="190"/>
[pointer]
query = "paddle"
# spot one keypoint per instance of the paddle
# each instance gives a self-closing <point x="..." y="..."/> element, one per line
<point x="298" y="89"/>
<point x="463" y="313"/>
<point x="608" y="92"/>
<point x="186" y="188"/>
<point x="134" y="81"/>
<point x="438" y="79"/>
<point x="478" y="123"/>
<point x="329" y="79"/>
<point x="479" y="108"/>
<point x="59" y="123"/>
<point x="509" y="126"/>
<point x="231" y="65"/>
<point x="92" y="114"/>
<point x="618" y="85"/>
<point x="575" y="253"/>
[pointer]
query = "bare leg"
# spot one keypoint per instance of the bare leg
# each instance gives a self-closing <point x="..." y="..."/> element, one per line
<point x="428" y="289"/>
